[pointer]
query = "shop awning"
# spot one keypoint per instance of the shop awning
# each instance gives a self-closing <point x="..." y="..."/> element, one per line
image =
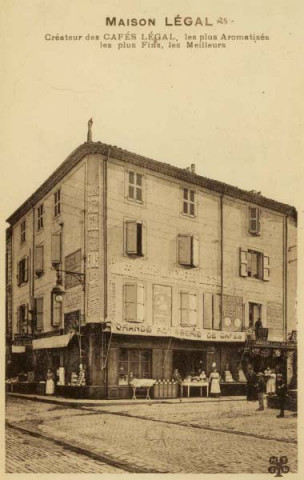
<point x="57" y="341"/>
<point x="18" y="348"/>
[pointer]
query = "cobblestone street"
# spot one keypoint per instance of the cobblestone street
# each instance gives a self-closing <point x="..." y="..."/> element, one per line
<point x="208" y="437"/>
<point x="25" y="454"/>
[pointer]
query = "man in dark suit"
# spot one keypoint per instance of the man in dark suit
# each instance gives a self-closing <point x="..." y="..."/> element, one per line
<point x="251" y="382"/>
<point x="281" y="391"/>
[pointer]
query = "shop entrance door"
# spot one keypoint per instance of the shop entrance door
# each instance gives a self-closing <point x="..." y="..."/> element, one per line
<point x="189" y="362"/>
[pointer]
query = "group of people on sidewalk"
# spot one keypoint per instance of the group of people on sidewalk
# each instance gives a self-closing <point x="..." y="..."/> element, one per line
<point x="266" y="382"/>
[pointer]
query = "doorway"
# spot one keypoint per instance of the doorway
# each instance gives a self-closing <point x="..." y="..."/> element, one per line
<point x="189" y="362"/>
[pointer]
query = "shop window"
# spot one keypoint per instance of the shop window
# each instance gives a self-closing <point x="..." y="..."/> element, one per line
<point x="135" y="186"/>
<point x="134" y="238"/>
<point x="188" y="202"/>
<point x="133" y="363"/>
<point x="39" y="313"/>
<point x="22" y="231"/>
<point x="72" y="263"/>
<point x="188" y="250"/>
<point x="23" y="323"/>
<point x="39" y="257"/>
<point x="56" y="249"/>
<point x="22" y="271"/>
<point x="254" y="221"/>
<point x="71" y="321"/>
<point x="254" y="264"/>
<point x="40" y="220"/>
<point x="188" y="309"/>
<point x="134" y="302"/>
<point x="57" y="205"/>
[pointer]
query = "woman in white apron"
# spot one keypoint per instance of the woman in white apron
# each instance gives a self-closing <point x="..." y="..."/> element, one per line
<point x="50" y="384"/>
<point x="214" y="380"/>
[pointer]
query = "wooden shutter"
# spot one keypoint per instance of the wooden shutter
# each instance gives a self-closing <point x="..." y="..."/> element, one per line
<point x="266" y="268"/>
<point x="216" y="312"/>
<point x="26" y="269"/>
<point x="39" y="259"/>
<point x="39" y="313"/>
<point x="254" y="220"/>
<point x="192" y="309"/>
<point x="207" y="310"/>
<point x="243" y="262"/>
<point x="56" y="249"/>
<point x="131" y="238"/>
<point x="195" y="251"/>
<point x="130" y="296"/>
<point x="184" y="249"/>
<point x="184" y="308"/>
<point x="140" y="303"/>
<point x="18" y="274"/>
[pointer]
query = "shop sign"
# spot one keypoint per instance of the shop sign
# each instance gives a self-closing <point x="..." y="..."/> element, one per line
<point x="177" y="332"/>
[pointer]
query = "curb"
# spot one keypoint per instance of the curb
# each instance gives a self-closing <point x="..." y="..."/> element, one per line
<point x="79" y="404"/>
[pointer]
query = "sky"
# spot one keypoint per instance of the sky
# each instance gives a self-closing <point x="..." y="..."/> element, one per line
<point x="236" y="112"/>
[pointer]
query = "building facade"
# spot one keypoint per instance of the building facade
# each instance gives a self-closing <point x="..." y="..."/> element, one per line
<point x="160" y="269"/>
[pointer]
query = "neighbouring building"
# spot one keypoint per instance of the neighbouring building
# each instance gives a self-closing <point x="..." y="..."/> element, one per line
<point x="159" y="268"/>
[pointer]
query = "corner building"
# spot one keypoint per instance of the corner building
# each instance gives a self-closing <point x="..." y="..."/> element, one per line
<point x="174" y="272"/>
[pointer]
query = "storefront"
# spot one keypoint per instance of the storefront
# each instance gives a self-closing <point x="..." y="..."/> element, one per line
<point x="156" y="358"/>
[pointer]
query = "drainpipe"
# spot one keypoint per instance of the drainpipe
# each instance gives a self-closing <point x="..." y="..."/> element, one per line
<point x="285" y="265"/>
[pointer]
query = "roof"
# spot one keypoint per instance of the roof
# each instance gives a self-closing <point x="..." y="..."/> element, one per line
<point x="89" y="148"/>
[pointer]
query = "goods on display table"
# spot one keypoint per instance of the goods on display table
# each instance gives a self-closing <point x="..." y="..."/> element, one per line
<point x="198" y="382"/>
<point x="228" y="377"/>
<point x="165" y="389"/>
<point x="241" y="376"/>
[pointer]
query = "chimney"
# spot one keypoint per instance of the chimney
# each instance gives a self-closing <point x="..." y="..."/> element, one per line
<point x="192" y="167"/>
<point x="89" y="137"/>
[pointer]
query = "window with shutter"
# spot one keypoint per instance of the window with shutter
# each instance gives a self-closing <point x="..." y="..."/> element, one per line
<point x="243" y="262"/>
<point x="184" y="250"/>
<point x="188" y="250"/>
<point x="57" y="205"/>
<point x="188" y="309"/>
<point x="134" y="238"/>
<point x="22" y="318"/>
<point x="39" y="314"/>
<point x="216" y="312"/>
<point x="56" y="248"/>
<point x="40" y="220"/>
<point x="207" y="310"/>
<point x="134" y="302"/>
<point x="254" y="220"/>
<point x="266" y="268"/>
<point x="39" y="250"/>
<point x="22" y="271"/>
<point x="22" y="231"/>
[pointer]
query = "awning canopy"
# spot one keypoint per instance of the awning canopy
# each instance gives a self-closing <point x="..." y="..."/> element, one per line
<point x="18" y="348"/>
<point x="57" y="341"/>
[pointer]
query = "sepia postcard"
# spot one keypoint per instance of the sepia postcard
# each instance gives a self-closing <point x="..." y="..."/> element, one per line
<point x="152" y="224"/>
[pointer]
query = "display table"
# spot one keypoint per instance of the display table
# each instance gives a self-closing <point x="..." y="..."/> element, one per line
<point x="142" y="383"/>
<point x="233" y="388"/>
<point x="189" y="385"/>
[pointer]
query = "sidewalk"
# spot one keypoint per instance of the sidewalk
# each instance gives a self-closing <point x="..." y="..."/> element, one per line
<point x="73" y="402"/>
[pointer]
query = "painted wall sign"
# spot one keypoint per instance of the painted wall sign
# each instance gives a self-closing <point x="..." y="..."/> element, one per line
<point x="177" y="332"/>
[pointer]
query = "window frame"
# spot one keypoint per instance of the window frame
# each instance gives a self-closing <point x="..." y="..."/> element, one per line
<point x="22" y="271"/>
<point x="186" y="201"/>
<point x="194" y="246"/>
<point x="57" y="203"/>
<point x="40" y="217"/>
<point x="39" y="324"/>
<point x="136" y="186"/>
<point x="139" y="251"/>
<point x="139" y="308"/>
<point x="263" y="265"/>
<point x="125" y="365"/>
<point x="23" y="231"/>
<point x="256" y="231"/>
<point x="24" y="322"/>
<point x="189" y="293"/>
